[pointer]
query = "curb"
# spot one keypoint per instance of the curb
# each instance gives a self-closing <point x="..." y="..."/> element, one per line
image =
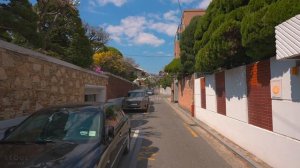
<point x="230" y="146"/>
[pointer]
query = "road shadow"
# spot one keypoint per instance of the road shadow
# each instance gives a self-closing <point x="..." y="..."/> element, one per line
<point x="149" y="132"/>
<point x="139" y="157"/>
<point x="147" y="153"/>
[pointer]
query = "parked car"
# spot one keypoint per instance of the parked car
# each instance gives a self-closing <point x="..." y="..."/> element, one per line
<point x="150" y="92"/>
<point x="68" y="137"/>
<point x="136" y="100"/>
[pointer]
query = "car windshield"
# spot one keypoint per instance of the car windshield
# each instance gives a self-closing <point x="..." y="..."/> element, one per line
<point x="136" y="94"/>
<point x="64" y="124"/>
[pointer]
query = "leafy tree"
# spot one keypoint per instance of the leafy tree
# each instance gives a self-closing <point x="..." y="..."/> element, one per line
<point x="98" y="37"/>
<point x="237" y="32"/>
<point x="174" y="67"/>
<point x="166" y="81"/>
<point x="187" y="54"/>
<point x="64" y="35"/>
<point x="18" y="23"/>
<point x="224" y="50"/>
<point x="258" y="28"/>
<point x="111" y="60"/>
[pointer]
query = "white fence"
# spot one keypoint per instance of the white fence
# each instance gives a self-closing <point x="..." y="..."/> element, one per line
<point x="280" y="148"/>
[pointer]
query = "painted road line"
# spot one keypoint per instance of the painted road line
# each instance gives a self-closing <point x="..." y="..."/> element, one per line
<point x="194" y="134"/>
<point x="134" y="137"/>
<point x="136" y="144"/>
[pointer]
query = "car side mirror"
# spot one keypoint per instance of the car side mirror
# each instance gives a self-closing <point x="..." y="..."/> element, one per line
<point x="109" y="133"/>
<point x="9" y="131"/>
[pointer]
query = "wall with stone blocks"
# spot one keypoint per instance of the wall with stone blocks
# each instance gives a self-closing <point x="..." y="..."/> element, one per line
<point x="30" y="80"/>
<point x="118" y="87"/>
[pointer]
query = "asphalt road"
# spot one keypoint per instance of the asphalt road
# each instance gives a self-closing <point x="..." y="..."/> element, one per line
<point x="162" y="139"/>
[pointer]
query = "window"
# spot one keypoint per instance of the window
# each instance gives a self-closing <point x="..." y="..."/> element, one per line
<point x="113" y="116"/>
<point x="90" y="98"/>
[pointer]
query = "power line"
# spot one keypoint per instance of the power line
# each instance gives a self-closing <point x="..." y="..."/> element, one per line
<point x="179" y="5"/>
<point x="149" y="56"/>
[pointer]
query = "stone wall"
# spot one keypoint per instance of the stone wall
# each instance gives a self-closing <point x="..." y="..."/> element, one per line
<point x="118" y="87"/>
<point x="30" y="80"/>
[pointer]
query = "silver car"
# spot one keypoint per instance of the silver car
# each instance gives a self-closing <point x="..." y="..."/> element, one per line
<point x="136" y="100"/>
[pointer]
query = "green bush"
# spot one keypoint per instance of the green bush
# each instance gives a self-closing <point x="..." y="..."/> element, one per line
<point x="174" y="67"/>
<point x="258" y="28"/>
<point x="239" y="32"/>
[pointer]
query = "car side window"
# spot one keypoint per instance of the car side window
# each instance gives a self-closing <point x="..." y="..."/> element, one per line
<point x="113" y="116"/>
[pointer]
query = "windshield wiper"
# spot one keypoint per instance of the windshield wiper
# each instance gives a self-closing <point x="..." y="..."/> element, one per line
<point x="46" y="141"/>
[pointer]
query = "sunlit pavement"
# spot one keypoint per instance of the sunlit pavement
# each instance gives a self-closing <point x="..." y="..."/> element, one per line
<point x="160" y="138"/>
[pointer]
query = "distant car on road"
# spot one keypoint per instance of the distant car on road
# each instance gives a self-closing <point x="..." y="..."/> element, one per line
<point x="136" y="100"/>
<point x="67" y="137"/>
<point x="150" y="92"/>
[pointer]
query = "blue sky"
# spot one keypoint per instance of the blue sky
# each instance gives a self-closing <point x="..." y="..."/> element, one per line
<point x="141" y="29"/>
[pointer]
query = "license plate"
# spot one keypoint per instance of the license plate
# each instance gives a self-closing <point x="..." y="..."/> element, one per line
<point x="134" y="104"/>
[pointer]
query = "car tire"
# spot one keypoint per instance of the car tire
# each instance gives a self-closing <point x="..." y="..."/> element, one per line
<point x="127" y="147"/>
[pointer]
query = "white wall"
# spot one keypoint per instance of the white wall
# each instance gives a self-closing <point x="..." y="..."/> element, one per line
<point x="99" y="91"/>
<point x="197" y="95"/>
<point x="276" y="150"/>
<point x="236" y="94"/>
<point x="286" y="109"/>
<point x="167" y="91"/>
<point x="210" y="90"/>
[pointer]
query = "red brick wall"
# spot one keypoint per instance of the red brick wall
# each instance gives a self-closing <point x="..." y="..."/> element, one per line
<point x="259" y="95"/>
<point x="186" y="92"/>
<point x="203" y="94"/>
<point x="118" y="87"/>
<point x="220" y="91"/>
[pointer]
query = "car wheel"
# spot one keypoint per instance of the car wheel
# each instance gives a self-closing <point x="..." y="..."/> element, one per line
<point x="127" y="147"/>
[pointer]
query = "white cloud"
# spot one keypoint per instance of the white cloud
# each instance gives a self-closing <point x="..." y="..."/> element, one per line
<point x="183" y="1"/>
<point x="172" y="15"/>
<point x="204" y="4"/>
<point x="145" y="29"/>
<point x="166" y="28"/>
<point x="117" y="3"/>
<point x="132" y="29"/>
<point x="147" y="38"/>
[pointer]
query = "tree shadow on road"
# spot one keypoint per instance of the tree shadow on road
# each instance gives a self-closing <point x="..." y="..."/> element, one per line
<point x="147" y="153"/>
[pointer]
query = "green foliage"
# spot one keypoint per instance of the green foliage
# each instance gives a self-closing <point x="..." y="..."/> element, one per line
<point x="111" y="60"/>
<point x="52" y="27"/>
<point x="174" y="67"/>
<point x="237" y="32"/>
<point x="63" y="32"/>
<point x="224" y="50"/>
<point x="18" y="23"/>
<point x="166" y="81"/>
<point x="258" y="28"/>
<point x="187" y="54"/>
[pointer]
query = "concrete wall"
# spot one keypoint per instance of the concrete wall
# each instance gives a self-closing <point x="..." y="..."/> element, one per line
<point x="211" y="99"/>
<point x="276" y="150"/>
<point x="286" y="108"/>
<point x="197" y="96"/>
<point x="167" y="91"/>
<point x="262" y="77"/>
<point x="236" y="94"/>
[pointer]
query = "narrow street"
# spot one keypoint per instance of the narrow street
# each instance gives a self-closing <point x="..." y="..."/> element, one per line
<point x="162" y="139"/>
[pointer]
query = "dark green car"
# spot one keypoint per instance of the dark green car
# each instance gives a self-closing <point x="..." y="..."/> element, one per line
<point x="68" y="137"/>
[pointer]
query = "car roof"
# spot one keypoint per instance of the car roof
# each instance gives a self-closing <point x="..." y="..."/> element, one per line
<point x="137" y="90"/>
<point x="72" y="106"/>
